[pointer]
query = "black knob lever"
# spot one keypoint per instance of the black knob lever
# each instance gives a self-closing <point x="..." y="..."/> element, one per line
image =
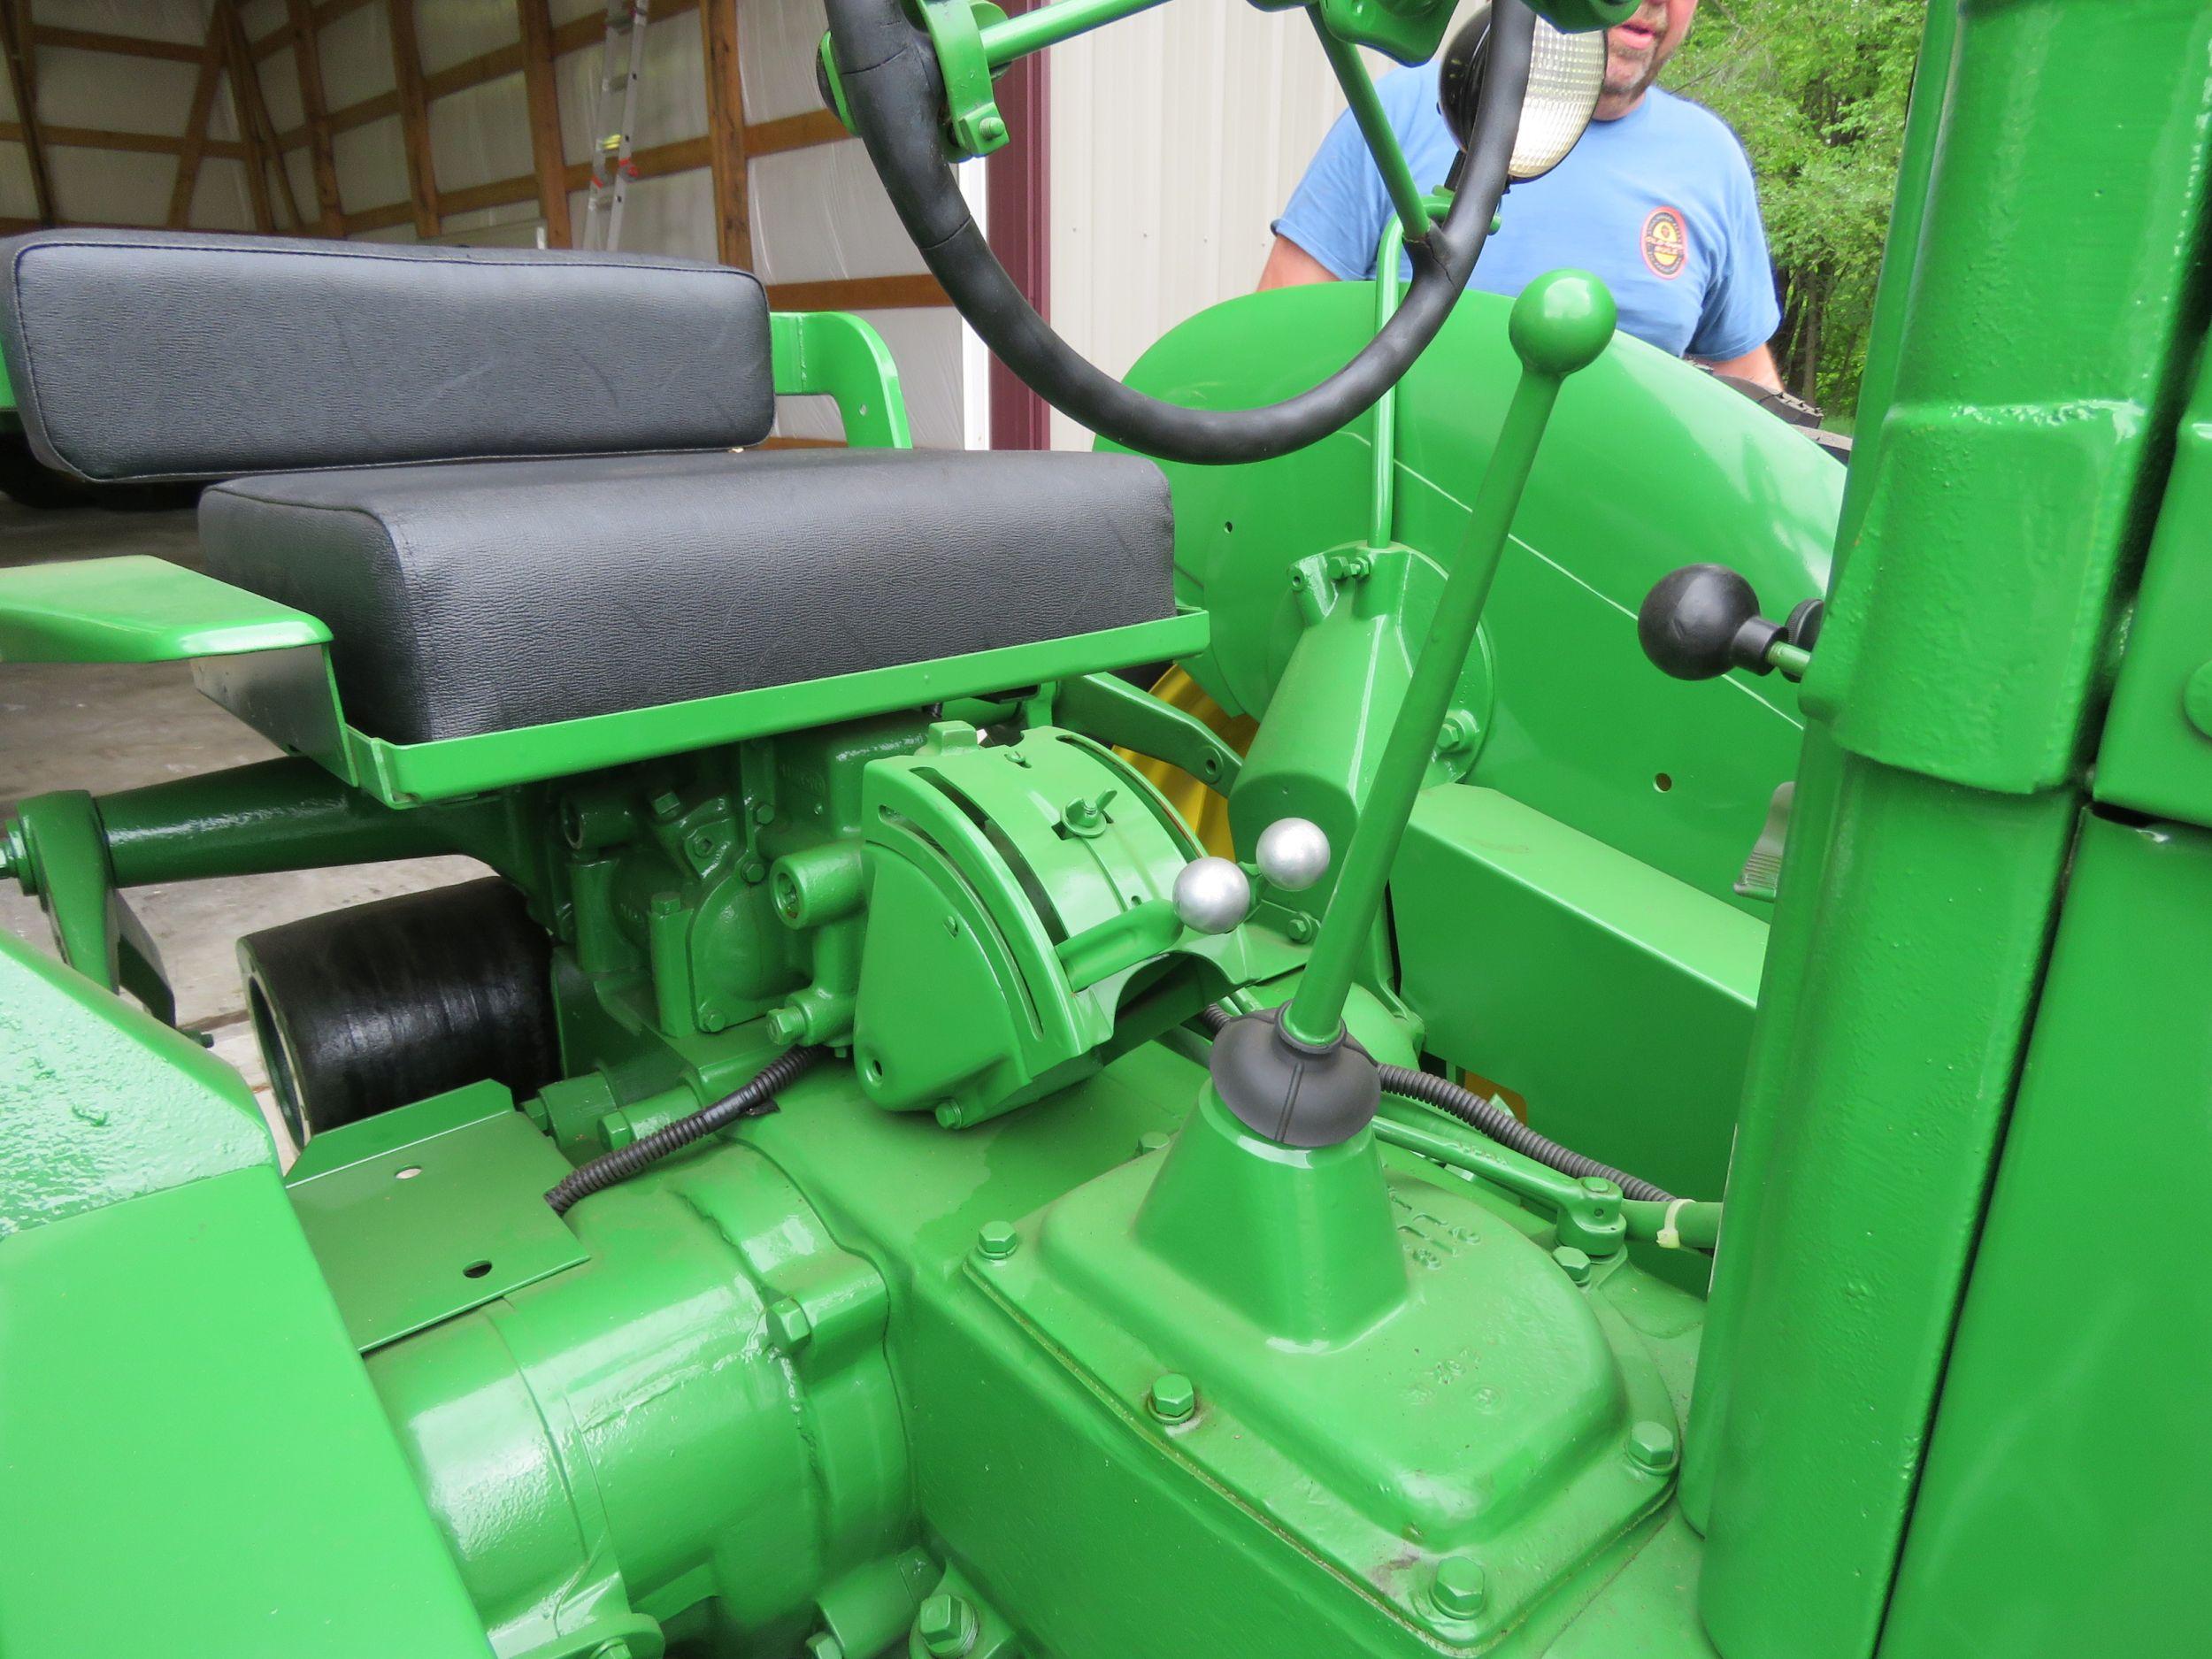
<point x="1701" y="621"/>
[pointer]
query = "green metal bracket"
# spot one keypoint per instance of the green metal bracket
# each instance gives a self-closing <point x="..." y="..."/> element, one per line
<point x="974" y="125"/>
<point x="836" y="355"/>
<point x="1407" y="30"/>
<point x="56" y="848"/>
<point x="418" y="1214"/>
<point x="1110" y="708"/>
<point x="405" y="774"/>
<point x="138" y="608"/>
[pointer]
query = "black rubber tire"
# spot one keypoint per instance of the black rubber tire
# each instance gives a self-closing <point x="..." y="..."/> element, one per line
<point x="362" y="1009"/>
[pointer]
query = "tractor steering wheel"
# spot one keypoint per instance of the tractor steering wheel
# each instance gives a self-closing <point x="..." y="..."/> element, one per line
<point x="894" y="94"/>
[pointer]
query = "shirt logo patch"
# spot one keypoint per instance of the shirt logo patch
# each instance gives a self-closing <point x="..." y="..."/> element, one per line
<point x="1666" y="243"/>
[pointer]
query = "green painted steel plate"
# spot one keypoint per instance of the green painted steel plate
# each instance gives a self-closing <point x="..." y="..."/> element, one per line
<point x="138" y="608"/>
<point x="401" y="774"/>
<point x="422" y="1213"/>
<point x="196" y="1464"/>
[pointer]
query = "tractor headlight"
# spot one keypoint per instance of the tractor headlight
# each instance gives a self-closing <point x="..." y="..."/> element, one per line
<point x="1565" y="75"/>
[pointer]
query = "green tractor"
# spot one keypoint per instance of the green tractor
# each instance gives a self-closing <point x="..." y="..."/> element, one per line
<point x="863" y="1177"/>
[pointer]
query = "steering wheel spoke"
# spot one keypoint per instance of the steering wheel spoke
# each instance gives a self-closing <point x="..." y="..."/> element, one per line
<point x="1374" y="127"/>
<point x="890" y="86"/>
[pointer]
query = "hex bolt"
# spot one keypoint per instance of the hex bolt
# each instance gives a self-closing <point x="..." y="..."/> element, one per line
<point x="754" y="872"/>
<point x="1302" y="928"/>
<point x="2196" y="699"/>
<point x="764" y="813"/>
<point x="1460" y="1587"/>
<point x="946" y="1625"/>
<point x="1651" y="1444"/>
<point x="1173" y="1398"/>
<point x="998" y="1240"/>
<point x="1458" y="731"/>
<point x="788" y="1326"/>
<point x="666" y="804"/>
<point x="1575" y="1264"/>
<point x="786" y="1025"/>
<point x="991" y="130"/>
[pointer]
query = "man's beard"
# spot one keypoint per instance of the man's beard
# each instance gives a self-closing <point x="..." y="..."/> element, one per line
<point x="1645" y="74"/>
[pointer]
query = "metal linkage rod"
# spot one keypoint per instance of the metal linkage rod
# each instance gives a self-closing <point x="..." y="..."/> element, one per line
<point x="1046" y="26"/>
<point x="1560" y="324"/>
<point x="1375" y="128"/>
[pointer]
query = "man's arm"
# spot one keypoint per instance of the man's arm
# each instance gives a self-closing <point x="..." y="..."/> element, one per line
<point x="1289" y="266"/>
<point x="1756" y="365"/>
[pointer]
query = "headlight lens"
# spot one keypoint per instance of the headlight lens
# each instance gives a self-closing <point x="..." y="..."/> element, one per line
<point x="1566" y="74"/>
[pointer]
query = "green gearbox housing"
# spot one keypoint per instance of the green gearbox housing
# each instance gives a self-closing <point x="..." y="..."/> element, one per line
<point x="1021" y="930"/>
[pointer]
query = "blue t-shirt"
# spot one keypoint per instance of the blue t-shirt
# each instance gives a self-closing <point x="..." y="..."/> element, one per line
<point x="1660" y="203"/>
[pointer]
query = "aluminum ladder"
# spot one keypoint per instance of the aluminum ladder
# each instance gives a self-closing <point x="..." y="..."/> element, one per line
<point x="612" y="168"/>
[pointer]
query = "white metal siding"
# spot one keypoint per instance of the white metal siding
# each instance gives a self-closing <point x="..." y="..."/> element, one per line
<point x="1177" y="137"/>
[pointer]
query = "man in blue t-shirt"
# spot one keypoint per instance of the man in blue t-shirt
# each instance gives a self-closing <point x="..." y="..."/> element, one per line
<point x="1657" y="199"/>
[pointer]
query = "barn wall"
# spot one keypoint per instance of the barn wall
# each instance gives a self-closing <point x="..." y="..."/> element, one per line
<point x="345" y="144"/>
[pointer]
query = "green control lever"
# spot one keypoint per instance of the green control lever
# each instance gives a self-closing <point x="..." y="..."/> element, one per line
<point x="1560" y="324"/>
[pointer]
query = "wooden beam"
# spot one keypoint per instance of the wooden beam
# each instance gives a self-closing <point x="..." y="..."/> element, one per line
<point x="308" y="59"/>
<point x="383" y="219"/>
<point x="857" y="293"/>
<point x="414" y="121"/>
<point x="345" y="119"/>
<point x="127" y="45"/>
<point x="470" y="72"/>
<point x="473" y="71"/>
<point x="725" y="135"/>
<point x="545" y="121"/>
<point x="23" y="82"/>
<point x="325" y="14"/>
<point x="474" y="199"/>
<point x="680" y="155"/>
<point x="135" y="143"/>
<point x="254" y="122"/>
<point x="195" y="123"/>
<point x="685" y="154"/>
<point x="793" y="132"/>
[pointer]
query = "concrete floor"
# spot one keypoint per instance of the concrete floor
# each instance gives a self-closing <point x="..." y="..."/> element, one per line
<point x="100" y="727"/>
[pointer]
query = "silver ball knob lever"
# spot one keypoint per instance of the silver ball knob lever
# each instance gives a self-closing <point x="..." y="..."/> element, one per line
<point x="1293" y="854"/>
<point x="1212" y="895"/>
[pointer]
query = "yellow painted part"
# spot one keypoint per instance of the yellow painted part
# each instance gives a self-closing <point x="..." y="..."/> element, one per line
<point x="1203" y="809"/>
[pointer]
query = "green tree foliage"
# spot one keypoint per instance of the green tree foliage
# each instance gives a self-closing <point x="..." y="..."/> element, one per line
<point x="1818" y="93"/>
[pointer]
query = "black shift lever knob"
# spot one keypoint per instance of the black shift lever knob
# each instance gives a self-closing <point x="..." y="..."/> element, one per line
<point x="1699" y="622"/>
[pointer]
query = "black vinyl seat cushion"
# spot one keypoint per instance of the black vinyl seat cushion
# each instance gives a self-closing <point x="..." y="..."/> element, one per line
<point x="483" y="596"/>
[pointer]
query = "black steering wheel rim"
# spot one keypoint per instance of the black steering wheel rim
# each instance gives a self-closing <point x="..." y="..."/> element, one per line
<point x="894" y="94"/>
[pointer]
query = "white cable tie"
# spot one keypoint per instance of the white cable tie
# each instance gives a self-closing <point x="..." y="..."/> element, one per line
<point x="1670" y="1238"/>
